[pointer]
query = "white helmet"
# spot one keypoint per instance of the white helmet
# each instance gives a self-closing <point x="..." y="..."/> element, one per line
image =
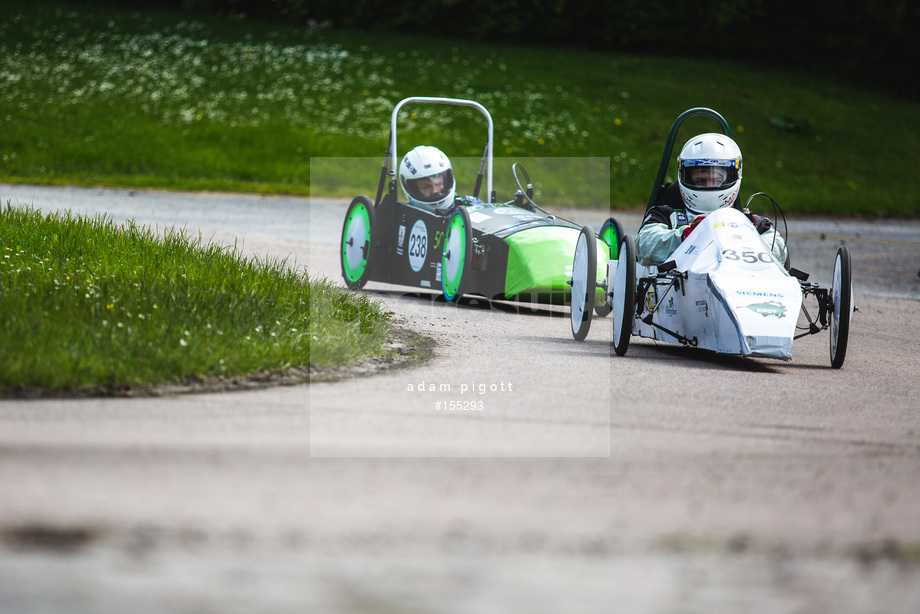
<point x="709" y="172"/>
<point x="427" y="177"/>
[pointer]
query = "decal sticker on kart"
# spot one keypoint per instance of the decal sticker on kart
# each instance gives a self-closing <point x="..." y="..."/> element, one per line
<point x="418" y="245"/>
<point x="748" y="256"/>
<point x="670" y="309"/>
<point x="517" y="213"/>
<point x="400" y="240"/>
<point x="702" y="307"/>
<point x="767" y="308"/>
<point x="758" y="293"/>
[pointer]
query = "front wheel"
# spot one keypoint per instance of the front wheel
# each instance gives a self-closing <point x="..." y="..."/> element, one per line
<point x="624" y="295"/>
<point x="457" y="256"/>
<point x="357" y="246"/>
<point x="584" y="272"/>
<point x="842" y="300"/>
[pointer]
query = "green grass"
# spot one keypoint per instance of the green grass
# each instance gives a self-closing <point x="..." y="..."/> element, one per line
<point x="92" y="306"/>
<point x="159" y="99"/>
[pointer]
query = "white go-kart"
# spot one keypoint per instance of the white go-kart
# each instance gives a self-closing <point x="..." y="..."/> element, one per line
<point x="722" y="290"/>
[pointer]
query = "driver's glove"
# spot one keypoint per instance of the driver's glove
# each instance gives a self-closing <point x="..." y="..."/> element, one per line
<point x="762" y="224"/>
<point x="691" y="227"/>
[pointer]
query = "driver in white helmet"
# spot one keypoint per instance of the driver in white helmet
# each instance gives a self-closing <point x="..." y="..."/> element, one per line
<point x="709" y="178"/>
<point x="427" y="178"/>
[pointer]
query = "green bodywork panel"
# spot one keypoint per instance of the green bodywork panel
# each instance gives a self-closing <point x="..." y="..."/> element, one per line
<point x="540" y="263"/>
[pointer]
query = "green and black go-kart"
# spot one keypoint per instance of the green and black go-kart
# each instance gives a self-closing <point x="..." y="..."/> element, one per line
<point x="511" y="250"/>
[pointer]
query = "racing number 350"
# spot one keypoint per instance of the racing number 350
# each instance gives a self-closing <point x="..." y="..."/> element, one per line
<point x="746" y="256"/>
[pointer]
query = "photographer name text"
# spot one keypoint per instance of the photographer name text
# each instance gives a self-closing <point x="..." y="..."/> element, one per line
<point x="472" y="387"/>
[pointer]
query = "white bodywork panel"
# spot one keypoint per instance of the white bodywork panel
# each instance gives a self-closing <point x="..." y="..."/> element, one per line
<point x="737" y="298"/>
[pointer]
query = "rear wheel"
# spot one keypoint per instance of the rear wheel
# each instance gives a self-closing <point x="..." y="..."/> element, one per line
<point x="457" y="255"/>
<point x="624" y="295"/>
<point x="610" y="234"/>
<point x="841" y="295"/>
<point x="584" y="273"/>
<point x="357" y="247"/>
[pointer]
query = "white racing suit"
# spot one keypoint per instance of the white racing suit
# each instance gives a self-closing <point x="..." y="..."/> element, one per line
<point x="663" y="227"/>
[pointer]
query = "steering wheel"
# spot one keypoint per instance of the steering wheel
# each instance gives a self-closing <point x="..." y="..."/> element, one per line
<point x="528" y="193"/>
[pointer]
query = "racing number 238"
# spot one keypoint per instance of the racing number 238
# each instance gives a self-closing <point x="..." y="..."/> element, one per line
<point x="746" y="256"/>
<point x="418" y="245"/>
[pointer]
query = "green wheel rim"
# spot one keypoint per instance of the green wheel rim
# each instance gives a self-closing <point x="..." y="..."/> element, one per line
<point x="355" y="242"/>
<point x="454" y="256"/>
<point x="609" y="236"/>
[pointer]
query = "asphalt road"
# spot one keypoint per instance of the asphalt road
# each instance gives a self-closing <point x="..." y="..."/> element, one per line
<point x="667" y="480"/>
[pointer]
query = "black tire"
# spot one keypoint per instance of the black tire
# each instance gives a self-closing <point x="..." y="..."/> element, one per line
<point x="457" y="256"/>
<point x="610" y="234"/>
<point x="584" y="285"/>
<point x="623" y="287"/>
<point x="841" y="295"/>
<point x="356" y="248"/>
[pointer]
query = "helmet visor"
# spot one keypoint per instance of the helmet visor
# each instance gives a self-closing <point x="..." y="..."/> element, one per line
<point x="709" y="174"/>
<point x="431" y="189"/>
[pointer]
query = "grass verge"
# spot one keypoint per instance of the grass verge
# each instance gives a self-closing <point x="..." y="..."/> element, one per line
<point x="93" y="307"/>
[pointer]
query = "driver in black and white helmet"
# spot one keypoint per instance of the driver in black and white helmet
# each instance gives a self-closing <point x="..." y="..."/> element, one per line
<point x="709" y="178"/>
<point x="427" y="178"/>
